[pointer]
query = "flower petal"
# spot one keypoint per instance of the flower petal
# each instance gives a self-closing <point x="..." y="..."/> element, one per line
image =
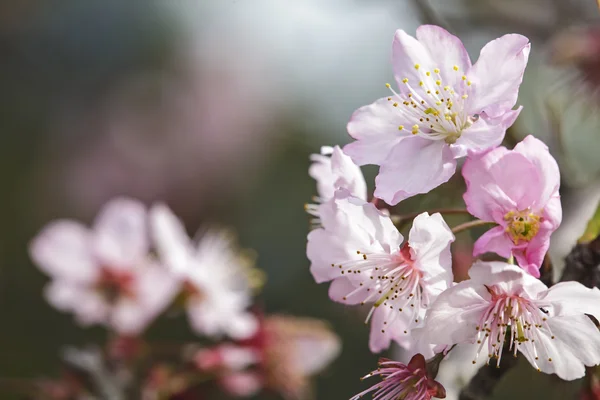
<point x="570" y="298"/>
<point x="375" y="128"/>
<point x="447" y="50"/>
<point x="571" y="343"/>
<point x="414" y="166"/>
<point x="342" y="290"/>
<point x="63" y="249"/>
<point x="406" y="53"/>
<point x="497" y="74"/>
<point x="121" y="233"/>
<point x="455" y="314"/>
<point x="336" y="171"/>
<point x="483" y="198"/>
<point x="494" y="241"/>
<point x="485" y="133"/>
<point x="429" y="241"/>
<point x="537" y="153"/>
<point x="170" y="238"/>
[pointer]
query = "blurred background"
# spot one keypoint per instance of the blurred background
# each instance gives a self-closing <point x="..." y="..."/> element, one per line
<point x="214" y="106"/>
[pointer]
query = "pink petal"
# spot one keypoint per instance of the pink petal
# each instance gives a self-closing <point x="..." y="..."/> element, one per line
<point x="375" y="128"/>
<point x="447" y="50"/>
<point x="537" y="153"/>
<point x="380" y="337"/>
<point x="497" y="74"/>
<point x="312" y="353"/>
<point x="494" y="241"/>
<point x="342" y="290"/>
<point x="121" y="233"/>
<point x="406" y="53"/>
<point x="154" y="289"/>
<point x="486" y="133"/>
<point x="531" y="257"/>
<point x="64" y="249"/>
<point x="414" y="166"/>
<point x="484" y="199"/>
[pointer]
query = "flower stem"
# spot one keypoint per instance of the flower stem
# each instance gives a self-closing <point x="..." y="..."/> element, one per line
<point x="469" y="225"/>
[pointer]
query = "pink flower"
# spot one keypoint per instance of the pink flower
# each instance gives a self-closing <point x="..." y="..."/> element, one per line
<point x="548" y="326"/>
<point x="335" y="172"/>
<point x="105" y="275"/>
<point x="217" y="278"/>
<point x="445" y="106"/>
<point x="517" y="189"/>
<point x="360" y="250"/>
<point x="400" y="381"/>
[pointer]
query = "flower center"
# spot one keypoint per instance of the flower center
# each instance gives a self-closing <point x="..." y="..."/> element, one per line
<point x="511" y="313"/>
<point x="522" y="225"/>
<point x="388" y="280"/>
<point x="113" y="284"/>
<point x="433" y="108"/>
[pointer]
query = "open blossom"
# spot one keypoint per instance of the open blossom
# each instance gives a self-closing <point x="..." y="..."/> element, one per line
<point x="501" y="304"/>
<point x="517" y="189"/>
<point x="104" y="275"/>
<point x="360" y="250"/>
<point x="400" y="381"/>
<point x="444" y="107"/>
<point x="216" y="277"/>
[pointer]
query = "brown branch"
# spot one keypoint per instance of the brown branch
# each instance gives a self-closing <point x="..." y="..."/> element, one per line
<point x="469" y="225"/>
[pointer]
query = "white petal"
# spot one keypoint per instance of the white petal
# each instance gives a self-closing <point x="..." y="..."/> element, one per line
<point x="572" y="298"/>
<point x="429" y="241"/>
<point x="576" y="343"/>
<point x="456" y="313"/>
<point x="121" y="236"/>
<point x="64" y="249"/>
<point x="170" y="238"/>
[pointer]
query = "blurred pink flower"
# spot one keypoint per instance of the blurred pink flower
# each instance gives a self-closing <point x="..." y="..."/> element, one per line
<point x="518" y="189"/>
<point x="217" y="278"/>
<point x="360" y="250"/>
<point x="400" y="381"/>
<point x="445" y="107"/>
<point x="548" y="326"/>
<point x="105" y="275"/>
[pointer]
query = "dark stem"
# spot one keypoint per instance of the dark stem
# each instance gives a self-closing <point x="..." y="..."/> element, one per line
<point x="401" y="220"/>
<point x="483" y="383"/>
<point x="469" y="225"/>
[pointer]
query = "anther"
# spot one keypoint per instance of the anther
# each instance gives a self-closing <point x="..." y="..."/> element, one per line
<point x="405" y="80"/>
<point x="455" y="67"/>
<point x="417" y="66"/>
<point x="437" y="70"/>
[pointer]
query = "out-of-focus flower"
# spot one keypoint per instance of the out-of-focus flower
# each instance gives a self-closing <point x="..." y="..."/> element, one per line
<point x="360" y="250"/>
<point x="517" y="189"/>
<point x="332" y="173"/>
<point x="293" y="350"/>
<point x="400" y="381"/>
<point x="230" y="362"/>
<point x="105" y="275"/>
<point x="217" y="277"/>
<point x="445" y="107"/>
<point x="548" y="326"/>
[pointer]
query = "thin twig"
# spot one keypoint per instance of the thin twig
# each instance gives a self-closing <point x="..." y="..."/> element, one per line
<point x="469" y="225"/>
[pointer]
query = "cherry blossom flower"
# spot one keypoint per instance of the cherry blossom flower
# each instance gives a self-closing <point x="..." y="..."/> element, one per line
<point x="332" y="169"/>
<point x="105" y="275"/>
<point x="216" y="277"/>
<point x="502" y="303"/>
<point x="360" y="250"/>
<point x="400" y="381"/>
<point x="517" y="189"/>
<point x="445" y="106"/>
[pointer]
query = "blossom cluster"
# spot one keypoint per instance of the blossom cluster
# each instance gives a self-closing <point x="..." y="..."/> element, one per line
<point x="447" y="108"/>
<point x="135" y="264"/>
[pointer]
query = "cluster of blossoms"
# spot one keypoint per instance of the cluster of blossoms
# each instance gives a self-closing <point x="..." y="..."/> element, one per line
<point x="447" y="108"/>
<point x="135" y="264"/>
